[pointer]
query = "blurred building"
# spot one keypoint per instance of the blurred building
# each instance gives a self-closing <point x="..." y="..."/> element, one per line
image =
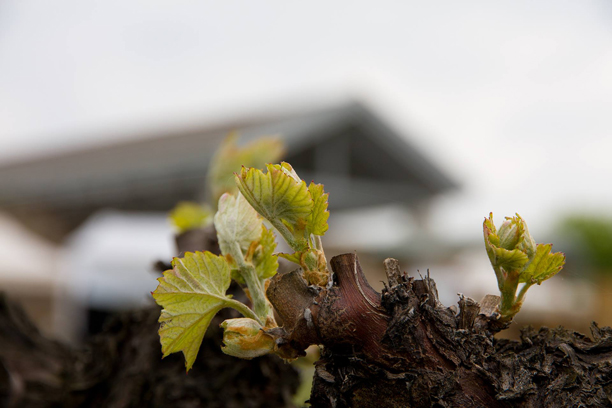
<point x="81" y="229"/>
<point x="361" y="161"/>
<point x="106" y="206"/>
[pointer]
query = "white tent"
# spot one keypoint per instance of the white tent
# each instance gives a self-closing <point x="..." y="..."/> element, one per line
<point x="108" y="264"/>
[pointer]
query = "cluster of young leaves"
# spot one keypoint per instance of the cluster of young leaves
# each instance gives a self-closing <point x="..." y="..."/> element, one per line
<point x="248" y="247"/>
<point x="194" y="290"/>
<point x="516" y="258"/>
<point x="230" y="158"/>
<point x="189" y="215"/>
<point x="296" y="210"/>
<point x="227" y="160"/>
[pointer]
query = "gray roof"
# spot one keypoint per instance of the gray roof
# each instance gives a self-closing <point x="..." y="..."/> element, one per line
<point x="360" y="160"/>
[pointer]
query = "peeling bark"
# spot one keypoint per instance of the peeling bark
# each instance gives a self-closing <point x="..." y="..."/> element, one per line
<point x="403" y="348"/>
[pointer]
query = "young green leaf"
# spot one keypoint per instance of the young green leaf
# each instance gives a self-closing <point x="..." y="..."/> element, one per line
<point x="511" y="233"/>
<point x="295" y="257"/>
<point x="288" y="170"/>
<point x="262" y="254"/>
<point x="299" y="213"/>
<point x="188" y="215"/>
<point x="489" y="226"/>
<point x="513" y="260"/>
<point x="240" y="227"/>
<point x="491" y="239"/>
<point x="279" y="198"/>
<point x="237" y="223"/>
<point x="229" y="158"/>
<point x="191" y="294"/>
<point x="527" y="243"/>
<point x="317" y="220"/>
<point x="544" y="265"/>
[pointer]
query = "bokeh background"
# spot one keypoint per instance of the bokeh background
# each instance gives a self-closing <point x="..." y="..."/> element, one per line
<point x="420" y="118"/>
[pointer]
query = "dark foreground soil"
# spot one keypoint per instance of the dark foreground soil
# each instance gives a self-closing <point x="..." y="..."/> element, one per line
<point x="122" y="367"/>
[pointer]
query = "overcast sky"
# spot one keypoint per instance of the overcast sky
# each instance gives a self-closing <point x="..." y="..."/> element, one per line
<point x="512" y="99"/>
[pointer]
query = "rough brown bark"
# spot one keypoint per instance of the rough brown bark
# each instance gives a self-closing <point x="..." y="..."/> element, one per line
<point x="123" y="366"/>
<point x="403" y="348"/>
<point x="400" y="348"/>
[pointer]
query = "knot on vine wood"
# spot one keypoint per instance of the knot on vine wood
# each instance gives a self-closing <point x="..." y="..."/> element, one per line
<point x="346" y="314"/>
<point x="295" y="304"/>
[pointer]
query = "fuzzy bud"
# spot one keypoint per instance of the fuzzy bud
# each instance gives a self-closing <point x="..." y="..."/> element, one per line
<point x="245" y="338"/>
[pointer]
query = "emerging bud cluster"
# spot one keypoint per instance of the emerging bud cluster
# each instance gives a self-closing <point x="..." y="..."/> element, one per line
<point x="516" y="258"/>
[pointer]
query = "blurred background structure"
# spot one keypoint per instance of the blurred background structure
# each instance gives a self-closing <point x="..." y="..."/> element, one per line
<point x="110" y="112"/>
<point x="106" y="207"/>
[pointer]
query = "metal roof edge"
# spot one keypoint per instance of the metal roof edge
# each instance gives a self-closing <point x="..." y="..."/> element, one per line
<point x="400" y="147"/>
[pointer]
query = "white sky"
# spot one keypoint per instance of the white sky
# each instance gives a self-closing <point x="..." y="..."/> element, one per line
<point x="512" y="99"/>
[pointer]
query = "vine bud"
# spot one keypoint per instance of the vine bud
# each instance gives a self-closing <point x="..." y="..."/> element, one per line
<point x="245" y="338"/>
<point x="511" y="246"/>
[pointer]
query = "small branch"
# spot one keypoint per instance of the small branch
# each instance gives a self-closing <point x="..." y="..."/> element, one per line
<point x="319" y="247"/>
<point x="508" y="293"/>
<point x="500" y="278"/>
<point x="256" y="290"/>
<point x="244" y="309"/>
<point x="287" y="235"/>
<point x="523" y="292"/>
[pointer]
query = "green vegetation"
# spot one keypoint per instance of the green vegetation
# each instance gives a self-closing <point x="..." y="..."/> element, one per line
<point x="227" y="161"/>
<point x="230" y="158"/>
<point x="298" y="212"/>
<point x="191" y="294"/>
<point x="194" y="290"/>
<point x="188" y="215"/>
<point x="592" y="235"/>
<point x="277" y="200"/>
<point x="516" y="259"/>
